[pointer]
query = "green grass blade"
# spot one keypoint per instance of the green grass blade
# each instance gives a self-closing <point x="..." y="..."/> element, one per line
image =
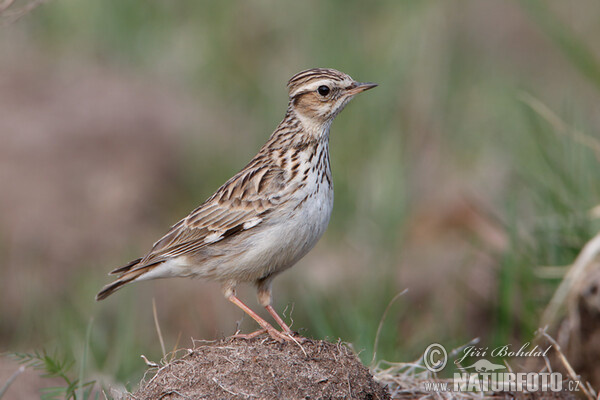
<point x="88" y="334"/>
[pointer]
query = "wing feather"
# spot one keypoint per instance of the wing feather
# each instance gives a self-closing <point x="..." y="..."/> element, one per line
<point x="224" y="214"/>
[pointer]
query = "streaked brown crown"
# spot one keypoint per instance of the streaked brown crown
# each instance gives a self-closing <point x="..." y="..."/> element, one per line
<point x="304" y="78"/>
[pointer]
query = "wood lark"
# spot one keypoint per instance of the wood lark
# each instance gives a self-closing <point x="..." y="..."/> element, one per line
<point x="269" y="215"/>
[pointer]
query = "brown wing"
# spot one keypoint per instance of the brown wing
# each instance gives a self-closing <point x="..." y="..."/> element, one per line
<point x="240" y="204"/>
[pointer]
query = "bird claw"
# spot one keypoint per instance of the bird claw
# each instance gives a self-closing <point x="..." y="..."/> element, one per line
<point x="275" y="335"/>
<point x="281" y="336"/>
<point x="248" y="336"/>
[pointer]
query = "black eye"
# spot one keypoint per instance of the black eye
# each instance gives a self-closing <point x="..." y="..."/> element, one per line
<point x="323" y="90"/>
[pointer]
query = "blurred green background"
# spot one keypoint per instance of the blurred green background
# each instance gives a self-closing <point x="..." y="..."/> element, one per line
<point x="117" y="117"/>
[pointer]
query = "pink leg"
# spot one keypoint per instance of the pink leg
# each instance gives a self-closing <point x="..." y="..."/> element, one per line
<point x="278" y="319"/>
<point x="274" y="333"/>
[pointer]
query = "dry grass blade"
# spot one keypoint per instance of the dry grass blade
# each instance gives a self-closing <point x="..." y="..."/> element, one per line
<point x="11" y="379"/>
<point x="387" y="309"/>
<point x="589" y="393"/>
<point x="175" y="348"/>
<point x="413" y="381"/>
<point x="408" y="379"/>
<point x="158" y="331"/>
<point x="575" y="277"/>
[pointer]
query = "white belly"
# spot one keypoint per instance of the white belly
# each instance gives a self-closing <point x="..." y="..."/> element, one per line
<point x="285" y="239"/>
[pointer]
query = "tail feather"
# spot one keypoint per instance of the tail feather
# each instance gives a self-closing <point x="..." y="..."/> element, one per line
<point x="125" y="268"/>
<point x="128" y="275"/>
<point x="114" y="286"/>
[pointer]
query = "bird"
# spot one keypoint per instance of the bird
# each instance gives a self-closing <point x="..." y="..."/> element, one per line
<point x="267" y="216"/>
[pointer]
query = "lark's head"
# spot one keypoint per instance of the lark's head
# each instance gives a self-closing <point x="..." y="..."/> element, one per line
<point x="317" y="95"/>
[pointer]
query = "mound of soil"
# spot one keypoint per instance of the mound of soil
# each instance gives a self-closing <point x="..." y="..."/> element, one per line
<point x="264" y="369"/>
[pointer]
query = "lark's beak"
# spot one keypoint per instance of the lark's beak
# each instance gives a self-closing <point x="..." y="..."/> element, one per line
<point x="358" y="87"/>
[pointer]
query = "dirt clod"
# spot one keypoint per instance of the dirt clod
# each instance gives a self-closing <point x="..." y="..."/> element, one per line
<point x="264" y="369"/>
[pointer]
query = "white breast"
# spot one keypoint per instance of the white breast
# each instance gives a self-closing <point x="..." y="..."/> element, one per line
<point x="310" y="217"/>
<point x="290" y="232"/>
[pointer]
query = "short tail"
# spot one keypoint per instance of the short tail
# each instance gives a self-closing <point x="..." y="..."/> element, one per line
<point x="129" y="273"/>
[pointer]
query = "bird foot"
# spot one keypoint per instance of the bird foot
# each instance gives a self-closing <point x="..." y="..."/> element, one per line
<point x="248" y="336"/>
<point x="275" y="335"/>
<point x="286" y="336"/>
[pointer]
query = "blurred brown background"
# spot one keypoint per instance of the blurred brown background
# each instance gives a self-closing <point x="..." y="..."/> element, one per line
<point x="118" y="117"/>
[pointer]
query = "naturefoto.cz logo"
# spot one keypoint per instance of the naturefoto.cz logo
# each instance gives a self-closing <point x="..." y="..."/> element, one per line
<point x="485" y="376"/>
